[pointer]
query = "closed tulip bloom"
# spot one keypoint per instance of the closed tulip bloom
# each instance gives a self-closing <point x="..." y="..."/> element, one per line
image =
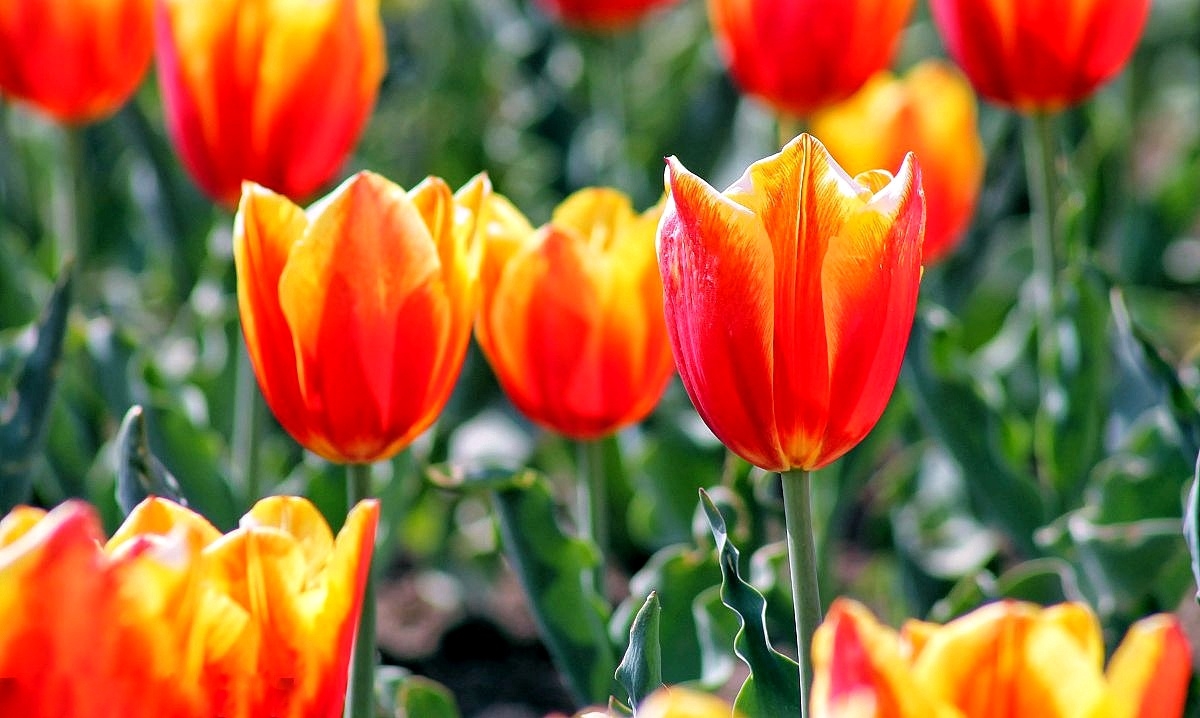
<point x="931" y="111"/>
<point x="800" y="55"/>
<point x="357" y="313"/>
<point x="75" y="60"/>
<point x="1004" y="659"/>
<point x="682" y="702"/>
<point x="271" y="91"/>
<point x="272" y="606"/>
<point x="789" y="299"/>
<point x="572" y="314"/>
<point x="601" y="14"/>
<point x="1037" y="56"/>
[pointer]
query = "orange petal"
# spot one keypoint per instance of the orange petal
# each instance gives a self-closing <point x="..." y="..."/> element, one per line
<point x="682" y="702"/>
<point x="161" y="517"/>
<point x="1151" y="669"/>
<point x="718" y="272"/>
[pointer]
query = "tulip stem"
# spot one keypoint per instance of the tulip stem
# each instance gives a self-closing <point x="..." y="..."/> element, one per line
<point x="247" y="416"/>
<point x="1043" y="180"/>
<point x="802" y="559"/>
<point x="72" y="208"/>
<point x="592" y="496"/>
<point x="360" y="690"/>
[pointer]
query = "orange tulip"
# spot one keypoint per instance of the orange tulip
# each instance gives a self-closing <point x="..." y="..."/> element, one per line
<point x="601" y="14"/>
<point x="789" y="299"/>
<point x="270" y="609"/>
<point x="75" y="60"/>
<point x="357" y="314"/>
<point x="572" y="314"/>
<point x="930" y="111"/>
<point x="1040" y="56"/>
<point x="799" y="55"/>
<point x="271" y="91"/>
<point x="682" y="702"/>
<point x="1005" y="659"/>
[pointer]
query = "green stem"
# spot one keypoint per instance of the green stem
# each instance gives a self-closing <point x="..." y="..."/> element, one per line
<point x="592" y="510"/>
<point x="72" y="201"/>
<point x="802" y="559"/>
<point x="360" y="691"/>
<point x="1043" y="186"/>
<point x="247" y="417"/>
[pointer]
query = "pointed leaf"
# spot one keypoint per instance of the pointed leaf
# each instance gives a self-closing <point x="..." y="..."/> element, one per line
<point x="773" y="687"/>
<point x="640" y="672"/>
<point x="24" y="415"/>
<point x="1191" y="526"/>
<point x="420" y="697"/>
<point x="139" y="472"/>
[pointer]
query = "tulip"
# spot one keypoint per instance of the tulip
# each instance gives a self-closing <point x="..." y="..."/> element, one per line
<point x="681" y="702"/>
<point x="357" y="313"/>
<point x="268" y="91"/>
<point x="931" y="111"/>
<point x="601" y="14"/>
<point x="789" y="299"/>
<point x="799" y="55"/>
<point x="572" y="317"/>
<point x="272" y="606"/>
<point x="1005" y="659"/>
<point x="1040" y="56"/>
<point x="75" y="60"/>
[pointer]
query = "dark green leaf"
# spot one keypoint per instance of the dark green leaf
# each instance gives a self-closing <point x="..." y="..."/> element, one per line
<point x="139" y="472"/>
<point x="420" y="697"/>
<point x="1191" y="526"/>
<point x="773" y="687"/>
<point x="24" y="414"/>
<point x="640" y="672"/>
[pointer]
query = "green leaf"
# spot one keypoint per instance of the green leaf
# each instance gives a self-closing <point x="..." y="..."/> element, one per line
<point x="1191" y="526"/>
<point x="773" y="687"/>
<point x="139" y="472"/>
<point x="716" y="629"/>
<point x="420" y="697"/>
<point x="24" y="415"/>
<point x="640" y="672"/>
<point x="551" y="566"/>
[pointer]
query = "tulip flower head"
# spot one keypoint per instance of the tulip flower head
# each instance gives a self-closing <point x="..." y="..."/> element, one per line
<point x="1004" y="659"/>
<point x="357" y="313"/>
<point x="931" y="111"/>
<point x="1040" y="56"/>
<point x="572" y="313"/>
<point x="601" y="14"/>
<point x="789" y="299"/>
<point x="271" y="91"/>
<point x="172" y="618"/>
<point x="800" y="55"/>
<point x="75" y="60"/>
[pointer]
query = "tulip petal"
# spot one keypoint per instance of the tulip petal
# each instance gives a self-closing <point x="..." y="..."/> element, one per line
<point x="1151" y="669"/>
<point x="718" y="275"/>
<point x="266" y="227"/>
<point x="363" y="297"/>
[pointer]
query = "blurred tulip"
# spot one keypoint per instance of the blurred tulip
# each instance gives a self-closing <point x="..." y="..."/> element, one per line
<point x="572" y="317"/>
<point x="800" y="55"/>
<point x="357" y="314"/>
<point x="789" y="300"/>
<point x="75" y="60"/>
<point x="1004" y="659"/>
<point x="601" y="14"/>
<point x="271" y="608"/>
<point x="271" y="91"/>
<point x="931" y="111"/>
<point x="1040" y="56"/>
<point x="680" y="702"/>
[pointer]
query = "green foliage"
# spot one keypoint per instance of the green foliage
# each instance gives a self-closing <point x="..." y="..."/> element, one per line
<point x="640" y="670"/>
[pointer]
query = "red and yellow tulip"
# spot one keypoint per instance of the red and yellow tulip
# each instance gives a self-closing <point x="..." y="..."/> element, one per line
<point x="930" y="111"/>
<point x="170" y="618"/>
<point x="75" y="60"/>
<point x="1005" y="659"/>
<point x="1040" y="56"/>
<point x="357" y="313"/>
<point x="789" y="299"/>
<point x="800" y="55"/>
<point x="601" y="14"/>
<point x="572" y="313"/>
<point x="271" y="91"/>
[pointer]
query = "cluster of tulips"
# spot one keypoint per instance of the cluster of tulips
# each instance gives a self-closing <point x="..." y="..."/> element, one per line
<point x="784" y="304"/>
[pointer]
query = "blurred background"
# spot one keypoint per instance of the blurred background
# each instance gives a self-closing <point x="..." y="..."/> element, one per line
<point x="936" y="511"/>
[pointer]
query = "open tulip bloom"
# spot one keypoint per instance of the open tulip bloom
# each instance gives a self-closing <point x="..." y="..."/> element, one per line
<point x="172" y="618"/>
<point x="789" y="298"/>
